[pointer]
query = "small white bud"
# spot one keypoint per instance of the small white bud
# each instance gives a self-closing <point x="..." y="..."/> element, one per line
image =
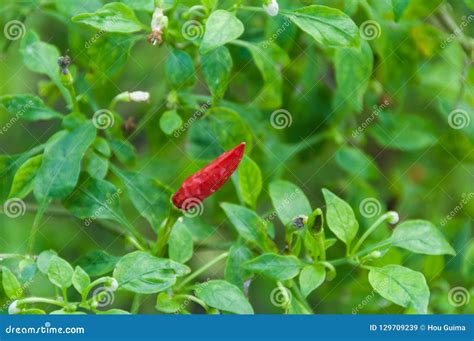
<point x="376" y="254"/>
<point x="159" y="20"/>
<point x="392" y="217"/>
<point x="13" y="309"/>
<point x="139" y="96"/>
<point x="113" y="285"/>
<point x="271" y="7"/>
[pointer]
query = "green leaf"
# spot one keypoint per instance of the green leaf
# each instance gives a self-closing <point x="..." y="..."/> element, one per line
<point x="60" y="272"/>
<point x="288" y="201"/>
<point x="59" y="171"/>
<point x="247" y="223"/>
<point x="234" y="273"/>
<point x="221" y="27"/>
<point x="403" y="131"/>
<point x="311" y="277"/>
<point x="43" y="260"/>
<point x="143" y="273"/>
<point x="148" y="196"/>
<point x="95" y="199"/>
<point x="169" y="304"/>
<point x="11" y="285"/>
<point x="357" y="163"/>
<point x="402" y="286"/>
<point x="353" y="71"/>
<point x="179" y="69"/>
<point x="399" y="7"/>
<point x="170" y="121"/>
<point x="96" y="165"/>
<point x="270" y="96"/>
<point x="224" y="296"/>
<point x="123" y="150"/>
<point x="180" y="243"/>
<point x="279" y="268"/>
<point x="80" y="279"/>
<point x="148" y="5"/>
<point x="97" y="263"/>
<point x="328" y="26"/>
<point x="216" y="67"/>
<point x="112" y="17"/>
<point x="28" y="107"/>
<point x="41" y="57"/>
<point x="23" y="181"/>
<point x="421" y="236"/>
<point x="228" y="128"/>
<point x="340" y="217"/>
<point x="250" y="181"/>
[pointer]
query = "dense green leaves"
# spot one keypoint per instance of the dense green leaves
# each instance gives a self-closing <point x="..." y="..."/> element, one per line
<point x="59" y="171"/>
<point x="288" y="201"/>
<point x="328" y="26"/>
<point x="421" y="236"/>
<point x="179" y="68"/>
<point x="112" y="17"/>
<point x="221" y="27"/>
<point x="28" y="107"/>
<point x="275" y="266"/>
<point x="216" y="66"/>
<point x="224" y="296"/>
<point x="60" y="272"/>
<point x="143" y="273"/>
<point x="402" y="286"/>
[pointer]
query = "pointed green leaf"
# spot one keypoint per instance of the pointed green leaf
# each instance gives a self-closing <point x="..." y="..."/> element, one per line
<point x="28" y="107"/>
<point x="60" y="272"/>
<point x="221" y="27"/>
<point x="80" y="279"/>
<point x="288" y="200"/>
<point x="224" y="296"/>
<point x="311" y="277"/>
<point x="216" y="66"/>
<point x="250" y="181"/>
<point x="279" y="268"/>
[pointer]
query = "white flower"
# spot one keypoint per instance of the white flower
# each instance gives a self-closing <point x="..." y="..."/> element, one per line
<point x="139" y="96"/>
<point x="13" y="309"/>
<point x="113" y="285"/>
<point x="159" y="20"/>
<point x="271" y="7"/>
<point x="392" y="217"/>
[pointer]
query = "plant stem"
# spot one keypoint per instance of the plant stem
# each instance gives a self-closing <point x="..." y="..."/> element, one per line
<point x="91" y="285"/>
<point x="165" y="231"/>
<point x="30" y="300"/>
<point x="371" y="229"/>
<point x="300" y="296"/>
<point x="34" y="228"/>
<point x="136" y="304"/>
<point x="201" y="270"/>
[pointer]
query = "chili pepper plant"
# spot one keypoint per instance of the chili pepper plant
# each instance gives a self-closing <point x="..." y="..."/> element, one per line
<point x="243" y="157"/>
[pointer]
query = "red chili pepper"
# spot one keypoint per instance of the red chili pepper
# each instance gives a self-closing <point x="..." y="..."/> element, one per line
<point x="208" y="180"/>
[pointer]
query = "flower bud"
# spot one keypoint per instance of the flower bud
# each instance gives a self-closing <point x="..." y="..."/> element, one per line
<point x="113" y="284"/>
<point x="13" y="308"/>
<point x="139" y="96"/>
<point x="376" y="254"/>
<point x="392" y="217"/>
<point x="300" y="221"/>
<point x="271" y="7"/>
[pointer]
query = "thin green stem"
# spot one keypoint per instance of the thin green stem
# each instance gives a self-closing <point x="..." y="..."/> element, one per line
<point x="35" y="227"/>
<point x="135" y="308"/>
<point x="194" y="299"/>
<point x="32" y="300"/>
<point x="369" y="231"/>
<point x="201" y="270"/>
<point x="165" y="231"/>
<point x="300" y="296"/>
<point x="64" y="292"/>
<point x="95" y="283"/>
